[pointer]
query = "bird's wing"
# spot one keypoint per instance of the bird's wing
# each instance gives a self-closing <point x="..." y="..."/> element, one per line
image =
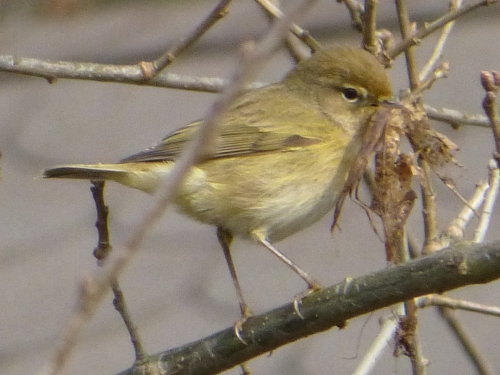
<point x="249" y="127"/>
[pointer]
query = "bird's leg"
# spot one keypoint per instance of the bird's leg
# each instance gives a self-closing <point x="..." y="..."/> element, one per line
<point x="312" y="284"/>
<point x="225" y="239"/>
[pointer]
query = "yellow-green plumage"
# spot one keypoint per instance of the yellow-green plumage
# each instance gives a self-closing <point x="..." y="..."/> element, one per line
<point x="282" y="154"/>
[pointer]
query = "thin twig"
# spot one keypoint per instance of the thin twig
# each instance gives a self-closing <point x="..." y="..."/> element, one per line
<point x="479" y="361"/>
<point x="489" y="202"/>
<point x="457" y="227"/>
<point x="491" y="82"/>
<point x="151" y="69"/>
<point x="355" y="10"/>
<point x="93" y="289"/>
<point x="428" y="29"/>
<point x="370" y="42"/>
<point x="407" y="30"/>
<point x="101" y="252"/>
<point x="457" y="304"/>
<point x="456" y="118"/>
<point x="296" y="30"/>
<point x="385" y="335"/>
<point x="439" y="72"/>
<point x="438" y="48"/>
<point x="292" y="43"/>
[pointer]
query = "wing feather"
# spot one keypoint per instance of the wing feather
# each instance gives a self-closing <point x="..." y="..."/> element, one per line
<point x="249" y="127"/>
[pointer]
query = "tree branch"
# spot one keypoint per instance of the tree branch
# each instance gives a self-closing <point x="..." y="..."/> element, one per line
<point x="434" y="26"/>
<point x="463" y="264"/>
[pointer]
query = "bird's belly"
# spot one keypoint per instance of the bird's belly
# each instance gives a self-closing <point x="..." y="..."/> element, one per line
<point x="275" y="202"/>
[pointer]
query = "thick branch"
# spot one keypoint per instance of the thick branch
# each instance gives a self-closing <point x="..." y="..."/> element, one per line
<point x="462" y="265"/>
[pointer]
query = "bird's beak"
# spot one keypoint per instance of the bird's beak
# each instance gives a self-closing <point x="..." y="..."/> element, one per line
<point x="391" y="104"/>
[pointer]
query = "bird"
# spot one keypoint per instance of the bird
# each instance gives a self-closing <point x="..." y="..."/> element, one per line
<point x="282" y="155"/>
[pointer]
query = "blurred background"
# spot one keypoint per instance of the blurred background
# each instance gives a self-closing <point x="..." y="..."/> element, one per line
<point x="178" y="288"/>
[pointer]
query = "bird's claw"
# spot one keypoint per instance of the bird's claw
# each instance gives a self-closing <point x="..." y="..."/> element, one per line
<point x="297" y="301"/>
<point x="238" y="326"/>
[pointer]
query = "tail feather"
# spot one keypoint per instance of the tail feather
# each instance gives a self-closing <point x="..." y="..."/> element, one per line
<point x="82" y="171"/>
<point x="143" y="176"/>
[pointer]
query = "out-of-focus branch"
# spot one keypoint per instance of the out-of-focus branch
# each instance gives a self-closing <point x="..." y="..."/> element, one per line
<point x="434" y="26"/>
<point x="355" y="10"/>
<point x="296" y="30"/>
<point x="478" y="359"/>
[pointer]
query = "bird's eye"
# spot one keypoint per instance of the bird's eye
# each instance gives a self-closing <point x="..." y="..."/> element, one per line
<point x="351" y="94"/>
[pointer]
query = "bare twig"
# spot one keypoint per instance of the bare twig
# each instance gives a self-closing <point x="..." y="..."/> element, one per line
<point x="151" y="69"/>
<point x="439" y="72"/>
<point x="481" y="364"/>
<point x="292" y="43"/>
<point x="93" y="289"/>
<point x="489" y="202"/>
<point x="386" y="334"/>
<point x="456" y="118"/>
<point x="101" y="252"/>
<point x="428" y="29"/>
<point x="438" y="48"/>
<point x="457" y="227"/>
<point x="407" y="30"/>
<point x="457" y="304"/>
<point x="491" y="83"/>
<point x="370" y="42"/>
<point x="355" y="10"/>
<point x="299" y="32"/>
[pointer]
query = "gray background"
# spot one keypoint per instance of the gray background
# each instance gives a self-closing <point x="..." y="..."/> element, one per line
<point x="178" y="287"/>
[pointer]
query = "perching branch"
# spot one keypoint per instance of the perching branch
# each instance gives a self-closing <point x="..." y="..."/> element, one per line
<point x="461" y="265"/>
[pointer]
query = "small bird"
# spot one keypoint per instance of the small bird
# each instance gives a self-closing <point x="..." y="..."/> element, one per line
<point x="282" y="154"/>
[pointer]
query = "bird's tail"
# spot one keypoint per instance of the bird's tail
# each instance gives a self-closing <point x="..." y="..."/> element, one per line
<point x="143" y="176"/>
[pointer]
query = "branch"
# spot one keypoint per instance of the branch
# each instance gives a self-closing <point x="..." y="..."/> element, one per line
<point x="151" y="69"/>
<point x="434" y="26"/>
<point x="461" y="265"/>
<point x="456" y="118"/>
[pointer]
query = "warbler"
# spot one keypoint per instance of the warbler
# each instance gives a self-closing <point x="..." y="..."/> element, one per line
<point x="281" y="158"/>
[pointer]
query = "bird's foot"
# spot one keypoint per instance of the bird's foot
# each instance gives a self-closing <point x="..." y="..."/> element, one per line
<point x="314" y="286"/>
<point x="238" y="326"/>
